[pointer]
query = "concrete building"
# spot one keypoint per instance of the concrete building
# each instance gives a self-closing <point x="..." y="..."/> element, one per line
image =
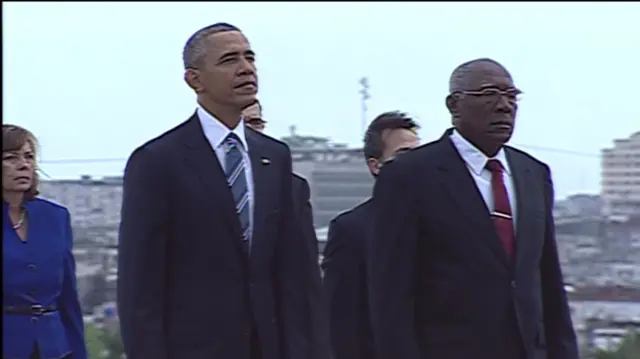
<point x="603" y="315"/>
<point x="92" y="202"/>
<point x="621" y="177"/>
<point x="338" y="176"/>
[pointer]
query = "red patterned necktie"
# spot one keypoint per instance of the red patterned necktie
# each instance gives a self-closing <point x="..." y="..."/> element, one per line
<point x="501" y="214"/>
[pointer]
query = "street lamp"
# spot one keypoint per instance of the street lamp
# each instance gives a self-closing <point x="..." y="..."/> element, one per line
<point x="364" y="96"/>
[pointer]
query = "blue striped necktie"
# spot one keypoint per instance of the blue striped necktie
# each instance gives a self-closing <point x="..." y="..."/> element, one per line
<point x="237" y="180"/>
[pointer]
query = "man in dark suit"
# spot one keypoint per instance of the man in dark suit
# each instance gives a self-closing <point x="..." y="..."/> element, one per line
<point x="463" y="262"/>
<point x="302" y="207"/>
<point x="209" y="258"/>
<point x="388" y="135"/>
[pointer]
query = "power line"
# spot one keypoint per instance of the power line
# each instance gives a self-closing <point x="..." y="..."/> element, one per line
<point x="559" y="150"/>
<point x="83" y="160"/>
<point x="524" y="146"/>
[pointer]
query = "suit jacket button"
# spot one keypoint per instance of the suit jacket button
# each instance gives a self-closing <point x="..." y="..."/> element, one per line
<point x="513" y="284"/>
<point x="34" y="319"/>
<point x="31" y="266"/>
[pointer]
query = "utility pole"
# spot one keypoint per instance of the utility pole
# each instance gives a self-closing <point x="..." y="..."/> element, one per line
<point x="364" y="97"/>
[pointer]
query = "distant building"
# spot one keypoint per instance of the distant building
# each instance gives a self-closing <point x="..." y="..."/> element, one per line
<point x="621" y="177"/>
<point x="92" y="202"/>
<point x="338" y="176"/>
<point x="579" y="205"/>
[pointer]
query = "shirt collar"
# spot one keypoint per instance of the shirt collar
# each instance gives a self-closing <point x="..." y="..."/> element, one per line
<point x="216" y="132"/>
<point x="475" y="159"/>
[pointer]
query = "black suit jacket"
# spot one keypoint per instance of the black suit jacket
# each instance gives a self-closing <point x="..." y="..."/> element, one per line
<point x="345" y="283"/>
<point x="317" y="308"/>
<point x="440" y="282"/>
<point x="186" y="289"/>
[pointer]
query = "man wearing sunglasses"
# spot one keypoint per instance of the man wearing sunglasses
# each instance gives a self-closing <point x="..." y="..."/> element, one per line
<point x="302" y="207"/>
<point x="345" y="277"/>
<point x="463" y="261"/>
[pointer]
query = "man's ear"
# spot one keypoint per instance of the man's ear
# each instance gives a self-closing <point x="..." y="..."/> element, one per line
<point x="452" y="104"/>
<point x="374" y="165"/>
<point x="192" y="78"/>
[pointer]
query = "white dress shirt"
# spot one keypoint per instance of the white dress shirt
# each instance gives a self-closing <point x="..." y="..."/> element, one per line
<point x="216" y="133"/>
<point x="476" y="162"/>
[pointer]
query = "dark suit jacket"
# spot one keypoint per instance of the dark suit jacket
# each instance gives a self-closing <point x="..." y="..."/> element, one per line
<point x="186" y="289"/>
<point x="41" y="271"/>
<point x="345" y="283"/>
<point x="317" y="307"/>
<point x="440" y="282"/>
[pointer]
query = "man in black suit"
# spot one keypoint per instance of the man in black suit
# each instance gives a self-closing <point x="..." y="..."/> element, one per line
<point x="302" y="207"/>
<point x="463" y="262"/>
<point x="388" y="135"/>
<point x="209" y="259"/>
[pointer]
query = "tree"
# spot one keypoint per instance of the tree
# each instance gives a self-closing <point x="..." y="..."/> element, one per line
<point x="112" y="342"/>
<point x="95" y="347"/>
<point x="628" y="349"/>
<point x="103" y="342"/>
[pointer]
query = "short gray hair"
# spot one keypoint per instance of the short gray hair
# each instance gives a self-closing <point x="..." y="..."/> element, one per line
<point x="195" y="48"/>
<point x="460" y="75"/>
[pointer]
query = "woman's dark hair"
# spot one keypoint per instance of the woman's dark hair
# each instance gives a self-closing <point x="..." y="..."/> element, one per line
<point x="13" y="138"/>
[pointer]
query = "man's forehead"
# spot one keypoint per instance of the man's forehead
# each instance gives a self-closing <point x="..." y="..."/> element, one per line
<point x="486" y="74"/>
<point x="399" y="136"/>
<point x="228" y="41"/>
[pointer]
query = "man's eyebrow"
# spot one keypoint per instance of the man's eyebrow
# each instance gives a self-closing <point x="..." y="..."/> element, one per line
<point x="232" y="54"/>
<point x="403" y="149"/>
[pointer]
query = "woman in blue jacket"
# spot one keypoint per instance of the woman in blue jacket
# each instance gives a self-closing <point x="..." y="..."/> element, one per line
<point x="41" y="316"/>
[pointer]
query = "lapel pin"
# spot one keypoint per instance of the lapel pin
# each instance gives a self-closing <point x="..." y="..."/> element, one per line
<point x="265" y="161"/>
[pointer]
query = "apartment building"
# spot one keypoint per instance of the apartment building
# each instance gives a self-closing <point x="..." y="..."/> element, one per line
<point x="620" y="175"/>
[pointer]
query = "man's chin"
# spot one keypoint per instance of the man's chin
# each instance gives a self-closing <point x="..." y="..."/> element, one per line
<point x="246" y="100"/>
<point x="501" y="137"/>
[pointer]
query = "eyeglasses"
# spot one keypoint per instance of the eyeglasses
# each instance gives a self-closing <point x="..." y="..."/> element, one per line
<point x="494" y="94"/>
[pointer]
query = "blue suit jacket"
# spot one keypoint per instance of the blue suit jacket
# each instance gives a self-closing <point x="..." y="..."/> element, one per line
<point x="41" y="271"/>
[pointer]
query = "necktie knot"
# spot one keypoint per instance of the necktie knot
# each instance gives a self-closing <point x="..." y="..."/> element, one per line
<point x="232" y="140"/>
<point x="494" y="166"/>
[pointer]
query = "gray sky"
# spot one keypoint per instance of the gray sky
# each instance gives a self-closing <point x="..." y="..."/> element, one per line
<point x="95" y="80"/>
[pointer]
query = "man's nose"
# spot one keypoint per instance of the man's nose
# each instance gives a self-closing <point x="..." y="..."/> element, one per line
<point x="506" y="104"/>
<point x="247" y="67"/>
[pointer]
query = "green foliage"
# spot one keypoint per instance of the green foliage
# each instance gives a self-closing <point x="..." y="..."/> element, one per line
<point x="103" y="342"/>
<point x="628" y="349"/>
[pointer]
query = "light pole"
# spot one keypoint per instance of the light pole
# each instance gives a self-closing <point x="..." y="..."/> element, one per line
<point x="364" y="96"/>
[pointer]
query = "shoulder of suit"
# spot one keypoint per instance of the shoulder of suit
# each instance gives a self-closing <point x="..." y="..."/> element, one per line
<point x="349" y="214"/>
<point x="298" y="177"/>
<point x="49" y="204"/>
<point x="522" y="155"/>
<point x="419" y="153"/>
<point x="272" y="141"/>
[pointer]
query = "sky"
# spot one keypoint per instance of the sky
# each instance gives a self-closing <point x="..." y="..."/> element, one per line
<point x="95" y="80"/>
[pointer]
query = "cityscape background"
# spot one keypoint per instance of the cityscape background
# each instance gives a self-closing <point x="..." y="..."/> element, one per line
<point x="598" y="234"/>
<point x="95" y="80"/>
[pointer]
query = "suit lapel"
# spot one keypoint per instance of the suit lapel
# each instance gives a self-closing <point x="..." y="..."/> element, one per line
<point x="464" y="192"/>
<point x="204" y="163"/>
<point x="522" y="181"/>
<point x="262" y="171"/>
